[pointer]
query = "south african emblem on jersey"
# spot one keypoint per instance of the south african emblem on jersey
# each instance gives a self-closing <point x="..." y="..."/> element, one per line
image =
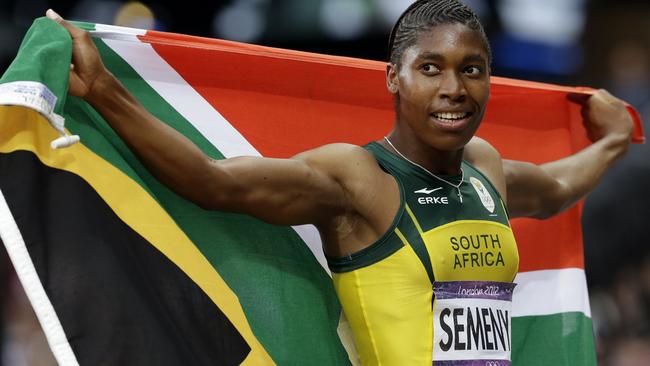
<point x="483" y="194"/>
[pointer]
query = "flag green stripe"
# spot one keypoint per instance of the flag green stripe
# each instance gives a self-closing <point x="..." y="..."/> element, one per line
<point x="263" y="264"/>
<point x="558" y="339"/>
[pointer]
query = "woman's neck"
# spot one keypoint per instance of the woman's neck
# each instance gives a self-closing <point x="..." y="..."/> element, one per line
<point x="418" y="151"/>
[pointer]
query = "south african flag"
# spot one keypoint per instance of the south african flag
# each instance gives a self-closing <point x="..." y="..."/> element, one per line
<point x="120" y="270"/>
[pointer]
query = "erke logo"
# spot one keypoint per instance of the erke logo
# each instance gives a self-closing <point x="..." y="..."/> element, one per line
<point x="430" y="200"/>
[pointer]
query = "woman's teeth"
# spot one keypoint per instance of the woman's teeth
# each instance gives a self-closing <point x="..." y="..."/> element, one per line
<point x="450" y="116"/>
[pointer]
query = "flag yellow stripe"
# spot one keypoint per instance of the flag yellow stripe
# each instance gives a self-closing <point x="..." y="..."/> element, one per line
<point x="25" y="129"/>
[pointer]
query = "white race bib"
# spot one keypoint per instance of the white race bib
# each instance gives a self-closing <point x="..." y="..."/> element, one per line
<point x="472" y="323"/>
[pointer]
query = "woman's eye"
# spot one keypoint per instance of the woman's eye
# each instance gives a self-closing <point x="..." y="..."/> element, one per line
<point x="473" y="70"/>
<point x="429" y="68"/>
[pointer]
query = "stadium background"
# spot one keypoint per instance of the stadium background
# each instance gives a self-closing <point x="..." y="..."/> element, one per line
<point x="595" y="43"/>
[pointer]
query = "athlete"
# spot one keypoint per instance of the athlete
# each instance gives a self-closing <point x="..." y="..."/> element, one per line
<point x="426" y="207"/>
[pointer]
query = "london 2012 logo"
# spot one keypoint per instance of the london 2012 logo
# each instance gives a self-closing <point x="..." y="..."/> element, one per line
<point x="483" y="194"/>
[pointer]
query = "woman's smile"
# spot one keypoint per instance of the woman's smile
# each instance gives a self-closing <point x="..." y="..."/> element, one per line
<point x="451" y="121"/>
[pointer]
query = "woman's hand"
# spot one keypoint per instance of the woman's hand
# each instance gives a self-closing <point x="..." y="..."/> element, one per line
<point x="604" y="115"/>
<point x="87" y="69"/>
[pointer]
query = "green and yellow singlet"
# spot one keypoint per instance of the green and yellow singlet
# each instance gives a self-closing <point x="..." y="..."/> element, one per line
<point x="386" y="289"/>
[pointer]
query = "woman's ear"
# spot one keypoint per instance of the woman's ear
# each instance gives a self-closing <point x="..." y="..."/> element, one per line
<point x="392" y="81"/>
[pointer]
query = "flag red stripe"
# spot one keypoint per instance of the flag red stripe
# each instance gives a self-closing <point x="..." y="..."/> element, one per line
<point x="357" y="81"/>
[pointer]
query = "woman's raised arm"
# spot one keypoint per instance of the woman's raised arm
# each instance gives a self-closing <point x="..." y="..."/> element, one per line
<point x="308" y="188"/>
<point x="544" y="190"/>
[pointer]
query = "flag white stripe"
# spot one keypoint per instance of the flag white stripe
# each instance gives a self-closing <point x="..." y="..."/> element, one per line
<point x="194" y="108"/>
<point x="105" y="31"/>
<point x="551" y="291"/>
<point x="19" y="255"/>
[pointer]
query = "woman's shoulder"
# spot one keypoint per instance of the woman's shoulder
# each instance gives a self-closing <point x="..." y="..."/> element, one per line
<point x="486" y="158"/>
<point x="478" y="151"/>
<point x="336" y="153"/>
<point x="342" y="159"/>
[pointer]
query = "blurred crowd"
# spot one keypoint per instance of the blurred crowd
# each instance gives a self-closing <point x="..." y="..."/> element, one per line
<point x="621" y="316"/>
<point x="597" y="43"/>
<point x="616" y="216"/>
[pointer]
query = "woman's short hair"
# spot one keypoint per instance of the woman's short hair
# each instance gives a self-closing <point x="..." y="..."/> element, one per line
<point x="421" y="16"/>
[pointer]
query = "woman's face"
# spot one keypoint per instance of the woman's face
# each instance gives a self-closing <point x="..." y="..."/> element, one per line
<point x="443" y="86"/>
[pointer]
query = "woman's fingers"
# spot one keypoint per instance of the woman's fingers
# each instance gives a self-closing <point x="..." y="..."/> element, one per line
<point x="579" y="98"/>
<point x="74" y="31"/>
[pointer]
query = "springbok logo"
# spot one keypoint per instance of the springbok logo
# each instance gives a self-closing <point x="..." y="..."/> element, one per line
<point x="483" y="194"/>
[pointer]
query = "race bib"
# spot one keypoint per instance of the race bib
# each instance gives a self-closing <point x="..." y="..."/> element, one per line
<point x="472" y="323"/>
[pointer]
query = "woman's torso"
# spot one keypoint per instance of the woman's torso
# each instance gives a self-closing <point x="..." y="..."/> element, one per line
<point x="386" y="288"/>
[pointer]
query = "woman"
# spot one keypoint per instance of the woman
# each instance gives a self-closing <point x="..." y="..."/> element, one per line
<point x="423" y="207"/>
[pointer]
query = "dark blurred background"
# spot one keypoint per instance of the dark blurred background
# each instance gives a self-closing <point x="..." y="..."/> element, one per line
<point x="597" y="43"/>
